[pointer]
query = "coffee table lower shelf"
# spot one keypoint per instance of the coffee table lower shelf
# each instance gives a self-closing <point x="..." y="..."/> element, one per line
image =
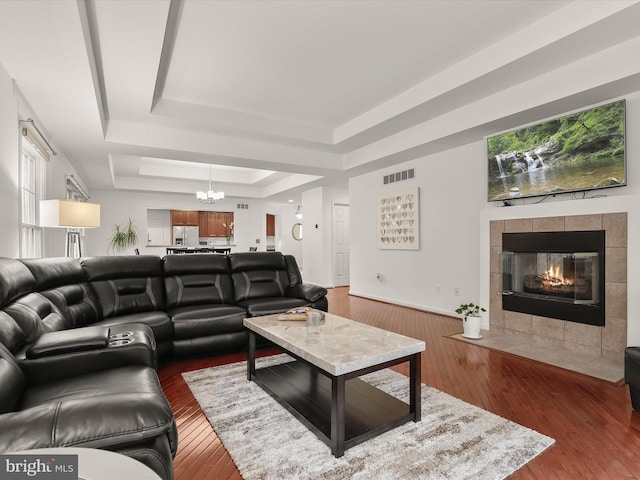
<point x="307" y="394"/>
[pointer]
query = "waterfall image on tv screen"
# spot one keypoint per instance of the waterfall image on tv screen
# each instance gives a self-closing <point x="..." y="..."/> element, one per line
<point x="577" y="152"/>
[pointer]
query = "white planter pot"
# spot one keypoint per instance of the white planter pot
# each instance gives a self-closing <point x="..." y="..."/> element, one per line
<point x="471" y="327"/>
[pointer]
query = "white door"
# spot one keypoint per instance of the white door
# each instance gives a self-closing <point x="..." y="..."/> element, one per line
<point x="341" y="245"/>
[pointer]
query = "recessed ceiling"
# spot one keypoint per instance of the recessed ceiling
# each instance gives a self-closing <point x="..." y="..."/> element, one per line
<point x="279" y="96"/>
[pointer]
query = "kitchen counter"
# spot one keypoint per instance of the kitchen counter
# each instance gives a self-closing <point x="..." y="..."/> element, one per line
<point x="212" y="249"/>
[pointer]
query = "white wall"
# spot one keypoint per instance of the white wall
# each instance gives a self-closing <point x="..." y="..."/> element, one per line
<point x="9" y="162"/>
<point x="455" y="218"/>
<point x="451" y="193"/>
<point x="287" y="244"/>
<point x="14" y="107"/>
<point x="317" y="226"/>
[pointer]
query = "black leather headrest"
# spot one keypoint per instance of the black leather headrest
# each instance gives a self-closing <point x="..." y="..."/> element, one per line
<point x="54" y="272"/>
<point x="257" y="261"/>
<point x="196" y="263"/>
<point x="124" y="266"/>
<point x="16" y="280"/>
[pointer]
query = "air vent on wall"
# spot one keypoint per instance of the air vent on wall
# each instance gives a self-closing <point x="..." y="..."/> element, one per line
<point x="398" y="176"/>
<point x="242" y="206"/>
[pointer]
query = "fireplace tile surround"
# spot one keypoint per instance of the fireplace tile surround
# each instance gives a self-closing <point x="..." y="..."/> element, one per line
<point x="607" y="342"/>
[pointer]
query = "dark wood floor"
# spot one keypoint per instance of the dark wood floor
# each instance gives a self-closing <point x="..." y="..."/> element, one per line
<point x="597" y="433"/>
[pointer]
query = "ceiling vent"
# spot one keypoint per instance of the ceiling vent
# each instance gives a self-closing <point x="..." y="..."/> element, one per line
<point x="242" y="206"/>
<point x="398" y="176"/>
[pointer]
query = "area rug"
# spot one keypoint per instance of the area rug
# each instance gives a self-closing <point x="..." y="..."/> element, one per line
<point x="454" y="440"/>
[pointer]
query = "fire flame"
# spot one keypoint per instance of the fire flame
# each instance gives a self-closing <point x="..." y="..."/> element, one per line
<point x="553" y="277"/>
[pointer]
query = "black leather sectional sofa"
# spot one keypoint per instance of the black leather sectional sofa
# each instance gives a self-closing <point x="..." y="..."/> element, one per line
<point x="80" y="341"/>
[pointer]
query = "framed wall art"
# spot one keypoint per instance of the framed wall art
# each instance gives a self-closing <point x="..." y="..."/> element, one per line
<point x="399" y="220"/>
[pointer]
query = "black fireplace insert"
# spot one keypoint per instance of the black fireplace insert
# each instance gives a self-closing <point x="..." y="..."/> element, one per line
<point x="555" y="274"/>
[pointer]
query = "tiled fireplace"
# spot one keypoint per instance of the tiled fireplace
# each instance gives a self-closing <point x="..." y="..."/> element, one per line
<point x="592" y="338"/>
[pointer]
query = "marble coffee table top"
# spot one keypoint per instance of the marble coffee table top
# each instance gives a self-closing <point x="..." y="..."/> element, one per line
<point x="338" y="345"/>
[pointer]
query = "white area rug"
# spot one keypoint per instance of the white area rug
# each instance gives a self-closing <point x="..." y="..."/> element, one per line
<point x="454" y="440"/>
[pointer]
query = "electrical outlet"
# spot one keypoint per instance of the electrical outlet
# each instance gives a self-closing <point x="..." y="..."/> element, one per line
<point x="456" y="291"/>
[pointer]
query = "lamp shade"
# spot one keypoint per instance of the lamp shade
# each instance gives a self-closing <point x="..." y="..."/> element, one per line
<point x="69" y="214"/>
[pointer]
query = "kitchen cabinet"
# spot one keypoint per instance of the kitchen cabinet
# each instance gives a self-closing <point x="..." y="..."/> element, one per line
<point x="212" y="224"/>
<point x="203" y="223"/>
<point x="271" y="225"/>
<point x="226" y="218"/>
<point x="184" y="218"/>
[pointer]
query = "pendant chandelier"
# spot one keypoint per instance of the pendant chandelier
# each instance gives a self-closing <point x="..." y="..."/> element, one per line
<point x="209" y="196"/>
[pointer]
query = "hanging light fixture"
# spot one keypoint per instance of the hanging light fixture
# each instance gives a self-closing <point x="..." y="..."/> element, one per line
<point x="299" y="212"/>
<point x="209" y="196"/>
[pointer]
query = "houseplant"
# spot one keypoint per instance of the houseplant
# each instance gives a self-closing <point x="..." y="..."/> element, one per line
<point x="472" y="319"/>
<point x="123" y="236"/>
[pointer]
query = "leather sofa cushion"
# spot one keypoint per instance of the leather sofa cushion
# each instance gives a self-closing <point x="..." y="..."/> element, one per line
<point x="197" y="280"/>
<point x="122" y="266"/>
<point x="258" y="275"/>
<point x="76" y="303"/>
<point x="53" y="272"/>
<point x="11" y="335"/>
<point x="129" y="344"/>
<point x="204" y="320"/>
<point x="246" y="261"/>
<point x="100" y="410"/>
<point x="158" y="321"/>
<point x="15" y="280"/>
<point x="194" y="264"/>
<point x="295" y="278"/>
<point x="69" y="341"/>
<point x="36" y="315"/>
<point x="198" y="288"/>
<point x="12" y="381"/>
<point x="214" y="343"/>
<point x="126" y="284"/>
<point x="269" y="306"/>
<point x="64" y="283"/>
<point x="123" y="296"/>
<point x="309" y="292"/>
<point x="254" y="284"/>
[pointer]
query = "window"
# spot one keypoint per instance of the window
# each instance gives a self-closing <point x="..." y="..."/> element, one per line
<point x="33" y="176"/>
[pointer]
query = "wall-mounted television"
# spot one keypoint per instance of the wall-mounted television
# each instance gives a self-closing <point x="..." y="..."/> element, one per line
<point x="574" y="153"/>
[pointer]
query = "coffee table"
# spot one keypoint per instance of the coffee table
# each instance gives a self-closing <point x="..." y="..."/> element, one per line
<point x="321" y="386"/>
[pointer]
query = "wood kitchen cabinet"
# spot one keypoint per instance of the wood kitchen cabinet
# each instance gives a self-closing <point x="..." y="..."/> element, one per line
<point x="226" y="218"/>
<point x="214" y="229"/>
<point x="203" y="224"/>
<point x="271" y="225"/>
<point x="184" y="217"/>
<point x="212" y="223"/>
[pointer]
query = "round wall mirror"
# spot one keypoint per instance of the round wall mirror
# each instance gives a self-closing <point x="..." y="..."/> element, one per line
<point x="296" y="231"/>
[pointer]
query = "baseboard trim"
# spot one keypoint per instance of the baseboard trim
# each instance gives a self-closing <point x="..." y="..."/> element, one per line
<point x="421" y="308"/>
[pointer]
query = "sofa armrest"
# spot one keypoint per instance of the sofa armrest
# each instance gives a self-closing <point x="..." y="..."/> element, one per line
<point x="128" y="344"/>
<point x="307" y="291"/>
<point x="69" y="341"/>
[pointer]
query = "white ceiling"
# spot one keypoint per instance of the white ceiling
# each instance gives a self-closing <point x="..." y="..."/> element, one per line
<point x="279" y="96"/>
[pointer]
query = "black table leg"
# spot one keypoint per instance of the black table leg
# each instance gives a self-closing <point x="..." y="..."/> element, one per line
<point x="337" y="416"/>
<point x="251" y="360"/>
<point x="415" y="394"/>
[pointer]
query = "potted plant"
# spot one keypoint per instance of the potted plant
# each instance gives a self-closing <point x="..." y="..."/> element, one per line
<point x="472" y="319"/>
<point x="123" y="236"/>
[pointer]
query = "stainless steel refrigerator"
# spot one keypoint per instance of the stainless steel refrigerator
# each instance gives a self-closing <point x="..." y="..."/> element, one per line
<point x="186" y="236"/>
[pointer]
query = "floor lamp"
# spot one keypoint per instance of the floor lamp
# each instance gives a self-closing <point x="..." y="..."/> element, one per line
<point x="72" y="216"/>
